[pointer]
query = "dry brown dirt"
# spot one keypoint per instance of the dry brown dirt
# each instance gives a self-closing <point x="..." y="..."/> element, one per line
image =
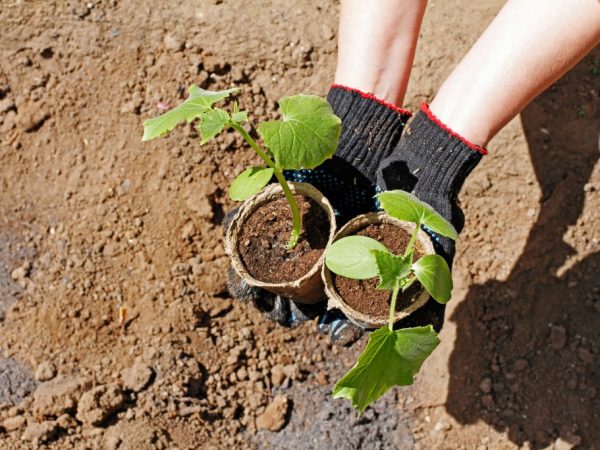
<point x="94" y="223"/>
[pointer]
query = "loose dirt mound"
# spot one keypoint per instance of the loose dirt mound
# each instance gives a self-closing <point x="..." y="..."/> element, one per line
<point x="93" y="222"/>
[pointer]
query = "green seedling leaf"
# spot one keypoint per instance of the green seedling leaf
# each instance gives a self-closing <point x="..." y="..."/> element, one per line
<point x="352" y="257"/>
<point x="212" y="123"/>
<point x="198" y="101"/>
<point x="391" y="268"/>
<point x="307" y="135"/>
<point x="391" y="358"/>
<point x="249" y="183"/>
<point x="405" y="206"/>
<point x="434" y="274"/>
<point x="239" y="117"/>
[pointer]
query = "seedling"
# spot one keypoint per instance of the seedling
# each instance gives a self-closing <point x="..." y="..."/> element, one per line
<point x="307" y="135"/>
<point x="392" y="357"/>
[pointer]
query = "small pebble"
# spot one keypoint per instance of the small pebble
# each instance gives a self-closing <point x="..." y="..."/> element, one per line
<point x="45" y="371"/>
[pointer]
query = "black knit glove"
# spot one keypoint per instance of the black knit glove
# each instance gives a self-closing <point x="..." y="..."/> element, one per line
<point x="432" y="162"/>
<point x="371" y="129"/>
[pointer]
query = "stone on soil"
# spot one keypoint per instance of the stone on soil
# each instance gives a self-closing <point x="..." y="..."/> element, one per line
<point x="172" y="43"/>
<point x="277" y="375"/>
<point x="40" y="432"/>
<point x="97" y="405"/>
<point x="273" y="419"/>
<point x="13" y="423"/>
<point x="59" y="396"/>
<point x="30" y="116"/>
<point x="6" y="105"/>
<point x="137" y="377"/>
<point x="45" y="371"/>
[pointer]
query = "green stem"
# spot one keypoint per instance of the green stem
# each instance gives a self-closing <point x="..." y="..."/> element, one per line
<point x="413" y="238"/>
<point x="253" y="144"/>
<point x="393" y="305"/>
<point x="296" y="217"/>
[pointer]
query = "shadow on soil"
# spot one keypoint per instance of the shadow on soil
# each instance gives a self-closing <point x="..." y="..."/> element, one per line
<point x="16" y="380"/>
<point x="512" y="366"/>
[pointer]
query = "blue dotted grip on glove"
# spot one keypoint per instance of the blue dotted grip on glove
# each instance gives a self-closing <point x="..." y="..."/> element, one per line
<point x="347" y="200"/>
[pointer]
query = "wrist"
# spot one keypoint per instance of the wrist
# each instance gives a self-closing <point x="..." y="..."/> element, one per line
<point x="470" y="123"/>
<point x="430" y="157"/>
<point x="458" y="126"/>
<point x="369" y="95"/>
<point x="389" y="90"/>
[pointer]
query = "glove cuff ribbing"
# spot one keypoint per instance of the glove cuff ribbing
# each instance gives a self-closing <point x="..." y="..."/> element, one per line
<point x="430" y="158"/>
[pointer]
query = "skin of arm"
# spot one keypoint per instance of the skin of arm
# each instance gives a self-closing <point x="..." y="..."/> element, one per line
<point x="376" y="45"/>
<point x="528" y="46"/>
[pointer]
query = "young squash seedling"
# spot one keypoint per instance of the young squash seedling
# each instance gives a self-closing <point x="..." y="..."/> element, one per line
<point x="392" y="357"/>
<point x="307" y="135"/>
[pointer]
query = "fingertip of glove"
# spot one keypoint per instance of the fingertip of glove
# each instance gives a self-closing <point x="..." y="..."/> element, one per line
<point x="241" y="290"/>
<point x="228" y="218"/>
<point x="341" y="330"/>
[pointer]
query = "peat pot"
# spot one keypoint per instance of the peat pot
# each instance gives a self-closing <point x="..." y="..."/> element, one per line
<point x="306" y="289"/>
<point x="413" y="298"/>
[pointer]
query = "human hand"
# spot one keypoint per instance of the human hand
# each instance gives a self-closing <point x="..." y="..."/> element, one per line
<point x="432" y="162"/>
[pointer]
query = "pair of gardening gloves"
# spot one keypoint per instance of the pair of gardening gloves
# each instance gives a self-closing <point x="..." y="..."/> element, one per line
<point x="377" y="152"/>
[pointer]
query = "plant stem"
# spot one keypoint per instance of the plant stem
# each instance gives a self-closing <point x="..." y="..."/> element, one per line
<point x="253" y="144"/>
<point x="296" y="217"/>
<point x="393" y="305"/>
<point x="413" y="238"/>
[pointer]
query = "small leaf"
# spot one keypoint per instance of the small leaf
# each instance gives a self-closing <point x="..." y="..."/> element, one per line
<point x="212" y="123"/>
<point x="198" y="101"/>
<point x="352" y="257"/>
<point x="250" y="182"/>
<point x="391" y="358"/>
<point x="405" y="206"/>
<point x="307" y="135"/>
<point x="390" y="268"/>
<point x="239" y="117"/>
<point x="433" y="273"/>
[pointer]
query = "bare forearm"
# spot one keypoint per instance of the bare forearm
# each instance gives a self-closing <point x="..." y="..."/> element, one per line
<point x="377" y="41"/>
<point x="527" y="47"/>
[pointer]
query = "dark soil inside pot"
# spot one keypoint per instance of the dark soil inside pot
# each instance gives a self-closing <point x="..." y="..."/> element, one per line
<point x="362" y="295"/>
<point x="265" y="234"/>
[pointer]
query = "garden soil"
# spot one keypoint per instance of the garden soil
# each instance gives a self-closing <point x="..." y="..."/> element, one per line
<point x="116" y="330"/>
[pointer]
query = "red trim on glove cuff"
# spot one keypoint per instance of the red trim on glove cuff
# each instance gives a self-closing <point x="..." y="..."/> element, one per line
<point x="446" y="128"/>
<point x="370" y="96"/>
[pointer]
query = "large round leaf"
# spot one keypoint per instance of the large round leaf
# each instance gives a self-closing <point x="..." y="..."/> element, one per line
<point x="352" y="257"/>
<point x="307" y="135"/>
